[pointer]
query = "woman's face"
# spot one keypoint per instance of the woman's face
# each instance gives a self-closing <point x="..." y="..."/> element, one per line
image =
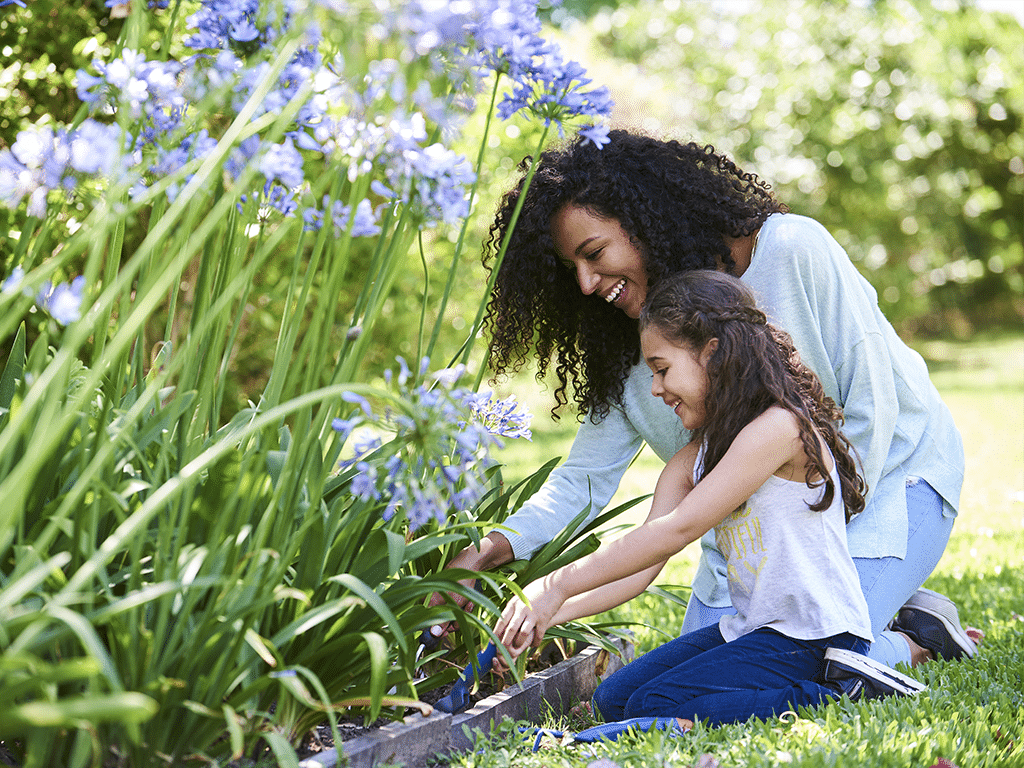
<point x="600" y="253"/>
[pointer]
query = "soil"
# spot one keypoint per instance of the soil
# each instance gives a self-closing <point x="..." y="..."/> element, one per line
<point x="320" y="738"/>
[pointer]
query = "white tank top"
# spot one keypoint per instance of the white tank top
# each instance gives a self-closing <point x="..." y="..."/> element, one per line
<point x="789" y="567"/>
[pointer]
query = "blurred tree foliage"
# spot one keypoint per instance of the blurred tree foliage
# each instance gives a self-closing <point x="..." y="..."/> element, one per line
<point x="895" y="123"/>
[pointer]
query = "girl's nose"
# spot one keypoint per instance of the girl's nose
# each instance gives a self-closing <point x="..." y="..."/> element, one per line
<point x="656" y="388"/>
<point x="587" y="278"/>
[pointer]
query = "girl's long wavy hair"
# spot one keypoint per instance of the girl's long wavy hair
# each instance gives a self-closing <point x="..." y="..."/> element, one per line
<point x="677" y="203"/>
<point x="754" y="367"/>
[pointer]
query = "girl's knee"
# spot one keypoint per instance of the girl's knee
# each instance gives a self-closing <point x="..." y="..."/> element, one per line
<point x="607" y="704"/>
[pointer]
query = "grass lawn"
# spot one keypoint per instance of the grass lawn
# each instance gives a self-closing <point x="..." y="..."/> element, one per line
<point x="971" y="715"/>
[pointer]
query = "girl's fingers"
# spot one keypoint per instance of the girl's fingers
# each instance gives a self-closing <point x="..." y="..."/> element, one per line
<point x="513" y="620"/>
<point x="522" y="641"/>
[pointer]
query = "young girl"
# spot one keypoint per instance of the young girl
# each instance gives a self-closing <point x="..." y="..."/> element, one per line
<point x="768" y="470"/>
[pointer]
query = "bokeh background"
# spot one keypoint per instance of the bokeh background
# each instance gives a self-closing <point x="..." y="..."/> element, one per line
<point x="896" y="123"/>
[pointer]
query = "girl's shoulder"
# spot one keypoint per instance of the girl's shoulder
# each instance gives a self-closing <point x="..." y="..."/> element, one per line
<point x="776" y="420"/>
<point x="775" y="432"/>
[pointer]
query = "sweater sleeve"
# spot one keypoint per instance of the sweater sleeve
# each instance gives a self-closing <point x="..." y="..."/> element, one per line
<point x="590" y="474"/>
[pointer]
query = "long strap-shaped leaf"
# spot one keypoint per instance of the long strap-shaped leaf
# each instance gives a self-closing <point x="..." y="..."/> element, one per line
<point x="13" y="371"/>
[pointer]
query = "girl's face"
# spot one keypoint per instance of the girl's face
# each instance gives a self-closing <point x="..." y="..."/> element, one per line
<point x="680" y="374"/>
<point x="600" y="253"/>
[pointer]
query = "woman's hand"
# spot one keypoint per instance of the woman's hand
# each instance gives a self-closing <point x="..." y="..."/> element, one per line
<point x="523" y="624"/>
<point x="494" y="550"/>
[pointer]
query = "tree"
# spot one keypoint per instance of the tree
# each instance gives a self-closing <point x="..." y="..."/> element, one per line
<point x="897" y="124"/>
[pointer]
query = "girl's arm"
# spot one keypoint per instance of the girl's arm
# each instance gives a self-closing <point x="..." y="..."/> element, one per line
<point x="761" y="449"/>
<point x="674" y="483"/>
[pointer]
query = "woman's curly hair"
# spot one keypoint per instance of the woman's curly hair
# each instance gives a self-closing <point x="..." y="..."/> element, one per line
<point x="676" y="202"/>
<point x="754" y="367"/>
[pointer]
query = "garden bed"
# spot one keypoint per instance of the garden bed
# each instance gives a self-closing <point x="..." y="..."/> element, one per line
<point x="416" y="739"/>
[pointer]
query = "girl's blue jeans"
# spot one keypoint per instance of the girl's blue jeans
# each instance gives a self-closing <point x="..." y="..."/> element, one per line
<point x="701" y="677"/>
<point x="887" y="582"/>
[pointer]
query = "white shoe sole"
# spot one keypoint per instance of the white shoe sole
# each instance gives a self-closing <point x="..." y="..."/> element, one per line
<point x="943" y="609"/>
<point x="907" y="686"/>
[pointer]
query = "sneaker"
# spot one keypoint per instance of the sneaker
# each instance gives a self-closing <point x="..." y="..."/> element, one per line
<point x="859" y="677"/>
<point x="931" y="620"/>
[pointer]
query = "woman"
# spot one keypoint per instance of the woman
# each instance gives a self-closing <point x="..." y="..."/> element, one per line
<point x="597" y="227"/>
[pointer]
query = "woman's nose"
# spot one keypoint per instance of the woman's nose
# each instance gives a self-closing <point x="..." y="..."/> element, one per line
<point x="587" y="278"/>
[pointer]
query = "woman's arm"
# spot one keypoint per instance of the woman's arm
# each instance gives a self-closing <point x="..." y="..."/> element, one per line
<point x="761" y="448"/>
<point x="590" y="474"/>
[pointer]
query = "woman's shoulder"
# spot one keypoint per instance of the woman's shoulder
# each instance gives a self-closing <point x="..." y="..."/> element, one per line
<point x="793" y="233"/>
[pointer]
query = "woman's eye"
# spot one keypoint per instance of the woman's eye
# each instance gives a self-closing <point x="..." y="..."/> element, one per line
<point x="594" y="255"/>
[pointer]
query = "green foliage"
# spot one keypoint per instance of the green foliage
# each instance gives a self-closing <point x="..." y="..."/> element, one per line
<point x="897" y="124"/>
<point x="183" y="576"/>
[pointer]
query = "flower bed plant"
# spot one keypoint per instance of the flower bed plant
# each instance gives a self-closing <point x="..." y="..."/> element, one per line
<point x="191" y="570"/>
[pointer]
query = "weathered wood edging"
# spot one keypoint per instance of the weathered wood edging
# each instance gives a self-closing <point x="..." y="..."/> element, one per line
<point x="413" y="741"/>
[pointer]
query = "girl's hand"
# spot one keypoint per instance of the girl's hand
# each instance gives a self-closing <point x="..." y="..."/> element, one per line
<point x="521" y="624"/>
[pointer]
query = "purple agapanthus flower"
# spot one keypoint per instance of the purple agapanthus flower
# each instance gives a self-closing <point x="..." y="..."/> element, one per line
<point x="283" y="163"/>
<point x="364" y="222"/>
<point x="63" y="302"/>
<point x="44" y="159"/>
<point x="148" y="90"/>
<point x="438" y="457"/>
<point x="595" y="134"/>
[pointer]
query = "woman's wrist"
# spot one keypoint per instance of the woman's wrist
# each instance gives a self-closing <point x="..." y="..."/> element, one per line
<point x="494" y="550"/>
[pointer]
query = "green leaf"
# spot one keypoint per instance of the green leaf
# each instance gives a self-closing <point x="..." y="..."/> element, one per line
<point x="374" y="601"/>
<point x="14" y="370"/>
<point x="125" y="707"/>
<point x="284" y="752"/>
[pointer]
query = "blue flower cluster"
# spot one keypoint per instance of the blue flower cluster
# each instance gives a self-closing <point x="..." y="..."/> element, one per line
<point x="63" y="302"/>
<point x="147" y="91"/>
<point x="501" y="417"/>
<point x="372" y="118"/>
<point x="436" y="461"/>
<point x="43" y="160"/>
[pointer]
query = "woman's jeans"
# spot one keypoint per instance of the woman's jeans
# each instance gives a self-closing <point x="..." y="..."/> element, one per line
<point x="701" y="677"/>
<point x="888" y="582"/>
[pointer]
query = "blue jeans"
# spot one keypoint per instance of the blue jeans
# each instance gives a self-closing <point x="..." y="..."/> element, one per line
<point x="887" y="582"/>
<point x="701" y="677"/>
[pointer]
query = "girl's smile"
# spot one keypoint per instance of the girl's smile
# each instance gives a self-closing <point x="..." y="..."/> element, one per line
<point x="601" y="254"/>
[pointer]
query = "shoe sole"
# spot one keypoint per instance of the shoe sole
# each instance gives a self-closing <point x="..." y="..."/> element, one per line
<point x="907" y="686"/>
<point x="940" y="606"/>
